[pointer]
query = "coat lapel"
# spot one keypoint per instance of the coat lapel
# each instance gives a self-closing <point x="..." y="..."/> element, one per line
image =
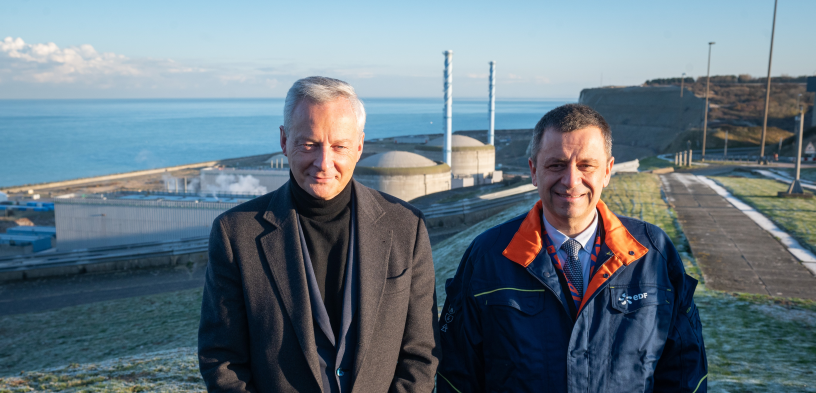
<point x="284" y="256"/>
<point x="374" y="245"/>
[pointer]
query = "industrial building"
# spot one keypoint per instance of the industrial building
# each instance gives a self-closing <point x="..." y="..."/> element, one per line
<point x="23" y="244"/>
<point x="26" y="239"/>
<point x="129" y="218"/>
<point x="403" y="174"/>
<point x="472" y="162"/>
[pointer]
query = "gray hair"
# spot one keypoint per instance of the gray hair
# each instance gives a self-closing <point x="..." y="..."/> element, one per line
<point x="568" y="118"/>
<point x="320" y="89"/>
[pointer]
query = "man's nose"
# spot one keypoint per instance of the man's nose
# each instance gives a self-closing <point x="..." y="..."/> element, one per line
<point x="572" y="177"/>
<point x="324" y="159"/>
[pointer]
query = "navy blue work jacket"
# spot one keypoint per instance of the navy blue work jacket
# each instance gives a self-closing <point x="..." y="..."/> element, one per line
<point x="507" y="325"/>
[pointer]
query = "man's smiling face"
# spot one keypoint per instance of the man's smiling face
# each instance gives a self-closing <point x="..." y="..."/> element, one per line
<point x="323" y="146"/>
<point x="570" y="171"/>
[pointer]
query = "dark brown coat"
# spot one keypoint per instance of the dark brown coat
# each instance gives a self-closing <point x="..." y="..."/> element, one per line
<point x="256" y="330"/>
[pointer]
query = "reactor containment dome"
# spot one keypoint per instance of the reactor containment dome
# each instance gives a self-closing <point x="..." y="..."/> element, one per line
<point x="472" y="162"/>
<point x="403" y="174"/>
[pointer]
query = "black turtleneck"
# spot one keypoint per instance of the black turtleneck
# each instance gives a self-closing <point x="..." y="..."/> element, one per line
<point x="327" y="227"/>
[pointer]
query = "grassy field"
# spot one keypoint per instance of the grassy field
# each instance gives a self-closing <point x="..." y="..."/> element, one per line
<point x="650" y="163"/>
<point x="754" y="343"/>
<point x="797" y="217"/>
<point x="804" y="174"/>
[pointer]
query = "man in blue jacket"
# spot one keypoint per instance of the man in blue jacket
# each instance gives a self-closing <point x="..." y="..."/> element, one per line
<point x="571" y="297"/>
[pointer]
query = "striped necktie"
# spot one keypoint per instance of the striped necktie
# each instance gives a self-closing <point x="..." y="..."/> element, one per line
<point x="573" y="269"/>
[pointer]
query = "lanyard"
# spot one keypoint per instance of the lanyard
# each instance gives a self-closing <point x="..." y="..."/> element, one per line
<point x="553" y="252"/>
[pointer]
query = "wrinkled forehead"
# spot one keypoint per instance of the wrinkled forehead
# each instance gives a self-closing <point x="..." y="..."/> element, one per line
<point x="330" y="120"/>
<point x="583" y="144"/>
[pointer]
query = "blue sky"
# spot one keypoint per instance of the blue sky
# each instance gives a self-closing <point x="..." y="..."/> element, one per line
<point x="543" y="49"/>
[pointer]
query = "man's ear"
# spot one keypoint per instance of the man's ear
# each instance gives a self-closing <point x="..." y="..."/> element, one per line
<point x="532" y="171"/>
<point x="608" y="175"/>
<point x="283" y="141"/>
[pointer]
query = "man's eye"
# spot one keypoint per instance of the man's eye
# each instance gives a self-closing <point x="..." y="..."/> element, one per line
<point x="309" y="146"/>
<point x="340" y="148"/>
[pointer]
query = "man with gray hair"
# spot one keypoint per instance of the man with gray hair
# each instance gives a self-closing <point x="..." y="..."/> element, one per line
<point x="324" y="284"/>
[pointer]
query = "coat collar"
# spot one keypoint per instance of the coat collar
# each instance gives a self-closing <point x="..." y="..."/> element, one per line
<point x="283" y="254"/>
<point x="527" y="244"/>
<point x="374" y="237"/>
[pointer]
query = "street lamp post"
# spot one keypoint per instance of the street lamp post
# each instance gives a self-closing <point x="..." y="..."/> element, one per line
<point x="705" y="115"/>
<point x="767" y="90"/>
<point x="682" y="82"/>
<point x="795" y="190"/>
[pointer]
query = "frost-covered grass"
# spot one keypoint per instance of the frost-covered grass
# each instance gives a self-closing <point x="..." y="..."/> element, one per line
<point x="98" y="331"/>
<point x="754" y="343"/>
<point x="795" y="216"/>
<point x="653" y="162"/>
<point x="804" y="173"/>
<point x="174" y="370"/>
<point x="639" y="196"/>
<point x="758" y="344"/>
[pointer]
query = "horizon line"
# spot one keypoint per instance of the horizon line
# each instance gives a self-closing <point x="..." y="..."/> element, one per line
<point x="281" y="98"/>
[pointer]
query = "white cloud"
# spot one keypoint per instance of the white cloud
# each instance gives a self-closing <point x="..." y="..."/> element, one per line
<point x="46" y="63"/>
<point x="477" y="76"/>
<point x="50" y="66"/>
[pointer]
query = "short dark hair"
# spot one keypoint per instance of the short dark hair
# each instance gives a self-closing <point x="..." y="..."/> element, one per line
<point x="568" y="118"/>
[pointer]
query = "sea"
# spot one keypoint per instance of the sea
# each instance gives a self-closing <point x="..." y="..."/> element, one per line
<point x="51" y="140"/>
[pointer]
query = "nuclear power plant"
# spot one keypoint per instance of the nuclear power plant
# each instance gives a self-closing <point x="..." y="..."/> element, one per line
<point x="185" y="209"/>
<point x="472" y="162"/>
<point x="403" y="174"/>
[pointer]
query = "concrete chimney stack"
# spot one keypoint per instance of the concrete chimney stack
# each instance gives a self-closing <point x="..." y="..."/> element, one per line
<point x="491" y="109"/>
<point x="448" y="113"/>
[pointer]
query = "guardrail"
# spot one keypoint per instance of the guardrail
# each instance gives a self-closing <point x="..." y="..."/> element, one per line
<point x="475" y="205"/>
<point x="78" y="261"/>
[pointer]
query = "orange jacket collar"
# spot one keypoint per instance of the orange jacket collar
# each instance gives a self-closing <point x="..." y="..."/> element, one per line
<point x="527" y="243"/>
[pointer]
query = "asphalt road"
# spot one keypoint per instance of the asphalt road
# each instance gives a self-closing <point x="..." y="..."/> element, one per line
<point x="47" y="294"/>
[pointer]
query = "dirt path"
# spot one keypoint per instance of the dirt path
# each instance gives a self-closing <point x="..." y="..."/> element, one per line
<point x="734" y="253"/>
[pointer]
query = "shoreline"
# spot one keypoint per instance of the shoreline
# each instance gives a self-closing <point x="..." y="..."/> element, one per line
<point x="123" y="175"/>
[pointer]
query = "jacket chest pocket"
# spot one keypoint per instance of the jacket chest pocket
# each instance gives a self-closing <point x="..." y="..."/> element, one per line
<point x="397" y="281"/>
<point x="631" y="298"/>
<point x="525" y="301"/>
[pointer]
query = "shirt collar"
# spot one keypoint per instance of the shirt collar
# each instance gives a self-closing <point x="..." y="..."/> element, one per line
<point x="585" y="238"/>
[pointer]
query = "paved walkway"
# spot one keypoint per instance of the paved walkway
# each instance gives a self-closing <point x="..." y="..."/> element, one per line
<point x="734" y="253"/>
